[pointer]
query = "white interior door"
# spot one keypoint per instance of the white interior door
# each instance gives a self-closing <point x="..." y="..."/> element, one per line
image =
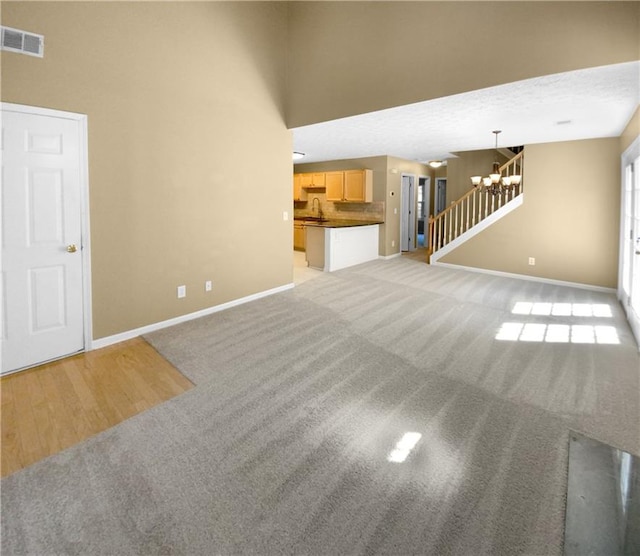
<point x="42" y="267"/>
<point x="408" y="215"/>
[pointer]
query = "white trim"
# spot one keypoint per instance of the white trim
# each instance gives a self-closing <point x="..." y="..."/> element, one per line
<point x="109" y="340"/>
<point x="479" y="227"/>
<point x="40" y="111"/>
<point x="527" y="277"/>
<point x="83" y="142"/>
<point x="389" y="257"/>
<point x="86" y="230"/>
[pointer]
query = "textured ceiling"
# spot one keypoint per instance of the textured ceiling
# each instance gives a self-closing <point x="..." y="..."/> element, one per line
<point x="596" y="102"/>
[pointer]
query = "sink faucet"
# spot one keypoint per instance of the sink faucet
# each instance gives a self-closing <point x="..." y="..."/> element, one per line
<point x="313" y="204"/>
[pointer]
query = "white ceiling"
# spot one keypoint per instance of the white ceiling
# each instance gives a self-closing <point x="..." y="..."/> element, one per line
<point x="597" y="102"/>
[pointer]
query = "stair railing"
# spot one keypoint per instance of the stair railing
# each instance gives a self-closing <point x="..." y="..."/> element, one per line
<point x="472" y="208"/>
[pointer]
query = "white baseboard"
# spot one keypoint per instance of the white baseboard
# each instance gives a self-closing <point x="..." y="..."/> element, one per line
<point x="109" y="340"/>
<point x="389" y="257"/>
<point x="527" y="277"/>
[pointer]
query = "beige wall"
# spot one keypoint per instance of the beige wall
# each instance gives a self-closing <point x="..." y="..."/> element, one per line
<point x="348" y="58"/>
<point x="189" y="156"/>
<point x="569" y="220"/>
<point x="631" y="132"/>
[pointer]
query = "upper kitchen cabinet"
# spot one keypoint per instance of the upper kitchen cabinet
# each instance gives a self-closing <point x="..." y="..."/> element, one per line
<point x="354" y="186"/>
<point x="335" y="186"/>
<point x="358" y="185"/>
<point x="313" y="180"/>
<point x="299" y="194"/>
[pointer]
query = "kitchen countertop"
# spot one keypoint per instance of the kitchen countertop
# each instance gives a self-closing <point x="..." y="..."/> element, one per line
<point x="337" y="223"/>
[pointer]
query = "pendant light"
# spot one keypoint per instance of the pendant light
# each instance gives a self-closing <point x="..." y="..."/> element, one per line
<point x="495" y="183"/>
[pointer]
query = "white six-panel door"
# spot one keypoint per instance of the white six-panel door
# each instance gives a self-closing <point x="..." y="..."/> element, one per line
<point x="42" y="240"/>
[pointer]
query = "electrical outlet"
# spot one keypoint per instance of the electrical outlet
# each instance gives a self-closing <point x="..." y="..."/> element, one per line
<point x="532" y="261"/>
<point x="208" y="286"/>
<point x="182" y="291"/>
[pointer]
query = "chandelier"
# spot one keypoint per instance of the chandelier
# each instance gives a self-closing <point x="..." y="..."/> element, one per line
<point x="496" y="183"/>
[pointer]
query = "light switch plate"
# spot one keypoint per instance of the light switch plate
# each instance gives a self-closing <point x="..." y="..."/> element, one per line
<point x="182" y="291"/>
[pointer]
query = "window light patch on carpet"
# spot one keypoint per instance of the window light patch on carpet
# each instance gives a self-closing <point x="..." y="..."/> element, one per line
<point x="557" y="333"/>
<point x="598" y="310"/>
<point x="403" y="447"/>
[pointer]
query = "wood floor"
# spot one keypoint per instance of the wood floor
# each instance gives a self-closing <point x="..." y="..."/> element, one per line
<point x="54" y="406"/>
<point x="420" y="254"/>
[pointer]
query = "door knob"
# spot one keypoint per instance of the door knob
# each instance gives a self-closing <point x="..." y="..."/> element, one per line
<point x="71" y="248"/>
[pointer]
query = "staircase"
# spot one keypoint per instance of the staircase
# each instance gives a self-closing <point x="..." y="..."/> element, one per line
<point x="475" y="211"/>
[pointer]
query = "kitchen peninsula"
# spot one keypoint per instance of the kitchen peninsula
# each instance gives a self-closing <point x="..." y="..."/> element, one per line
<point x="335" y="244"/>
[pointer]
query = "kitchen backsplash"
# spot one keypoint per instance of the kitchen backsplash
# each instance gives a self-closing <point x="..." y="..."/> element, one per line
<point x="373" y="212"/>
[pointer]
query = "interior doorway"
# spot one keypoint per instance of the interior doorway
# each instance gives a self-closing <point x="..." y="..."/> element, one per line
<point x="408" y="213"/>
<point x="441" y="195"/>
<point x="45" y="247"/>
<point x="423" y="208"/>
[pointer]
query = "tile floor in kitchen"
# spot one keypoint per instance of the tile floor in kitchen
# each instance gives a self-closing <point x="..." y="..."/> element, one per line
<point x="301" y="272"/>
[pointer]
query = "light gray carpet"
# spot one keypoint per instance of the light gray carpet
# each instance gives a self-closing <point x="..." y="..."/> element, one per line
<point x="282" y="446"/>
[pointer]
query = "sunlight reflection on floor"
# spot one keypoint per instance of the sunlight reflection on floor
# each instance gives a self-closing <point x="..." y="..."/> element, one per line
<point x="560" y="333"/>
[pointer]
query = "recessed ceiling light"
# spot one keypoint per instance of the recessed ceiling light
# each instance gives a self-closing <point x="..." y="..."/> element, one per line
<point x="297" y="155"/>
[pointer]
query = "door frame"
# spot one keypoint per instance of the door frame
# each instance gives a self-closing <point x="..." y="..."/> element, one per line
<point x="436" y="201"/>
<point x="426" y="199"/>
<point x="628" y="157"/>
<point x="413" y="202"/>
<point x="85" y="250"/>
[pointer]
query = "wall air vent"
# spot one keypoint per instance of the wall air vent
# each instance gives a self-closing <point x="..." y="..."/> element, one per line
<point x="23" y="42"/>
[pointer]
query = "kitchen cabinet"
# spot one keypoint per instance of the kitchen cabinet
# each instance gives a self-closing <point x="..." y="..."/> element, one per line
<point x="335" y="185"/>
<point x="316" y="179"/>
<point x="299" y="194"/>
<point x="354" y="186"/>
<point x="358" y="185"/>
<point x="298" y="235"/>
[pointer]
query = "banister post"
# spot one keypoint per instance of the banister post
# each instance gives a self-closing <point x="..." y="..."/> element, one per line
<point x="430" y="239"/>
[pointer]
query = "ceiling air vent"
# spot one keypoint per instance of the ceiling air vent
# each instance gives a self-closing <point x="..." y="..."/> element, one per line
<point x="15" y="40"/>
